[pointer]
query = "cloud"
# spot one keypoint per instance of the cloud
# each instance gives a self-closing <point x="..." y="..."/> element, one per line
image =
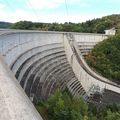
<point x="57" y="16"/>
<point x="51" y="4"/>
<point x="61" y="18"/>
<point x="15" y="16"/>
<point x="84" y="5"/>
<point x="44" y="4"/>
<point x="2" y="6"/>
<point x="19" y="15"/>
<point x="115" y="1"/>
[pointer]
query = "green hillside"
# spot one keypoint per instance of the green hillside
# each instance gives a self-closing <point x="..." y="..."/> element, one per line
<point x="5" y="25"/>
<point x="90" y="26"/>
<point x="105" y="58"/>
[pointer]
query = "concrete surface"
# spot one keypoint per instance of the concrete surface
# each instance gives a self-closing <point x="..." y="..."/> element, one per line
<point x="43" y="62"/>
<point x="14" y="104"/>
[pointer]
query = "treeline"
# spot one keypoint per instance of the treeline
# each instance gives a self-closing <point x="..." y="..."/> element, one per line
<point x="105" y="58"/>
<point x="90" y="26"/>
<point x="62" y="106"/>
<point x="5" y="25"/>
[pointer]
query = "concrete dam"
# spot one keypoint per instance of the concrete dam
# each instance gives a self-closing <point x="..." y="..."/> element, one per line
<point x="34" y="64"/>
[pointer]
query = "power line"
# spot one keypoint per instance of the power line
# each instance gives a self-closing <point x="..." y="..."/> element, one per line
<point x="13" y="9"/>
<point x="10" y="6"/>
<point x="66" y="7"/>
<point x="33" y="10"/>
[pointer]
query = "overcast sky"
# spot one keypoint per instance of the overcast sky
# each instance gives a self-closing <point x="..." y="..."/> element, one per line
<point x="55" y="10"/>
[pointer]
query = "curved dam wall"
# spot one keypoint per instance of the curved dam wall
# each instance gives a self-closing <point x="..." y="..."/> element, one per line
<point x="43" y="62"/>
<point x="38" y="61"/>
<point x="14" y="43"/>
<point x="86" y="42"/>
<point x="85" y="75"/>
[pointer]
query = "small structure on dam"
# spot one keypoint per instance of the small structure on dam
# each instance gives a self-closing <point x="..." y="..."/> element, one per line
<point x="45" y="61"/>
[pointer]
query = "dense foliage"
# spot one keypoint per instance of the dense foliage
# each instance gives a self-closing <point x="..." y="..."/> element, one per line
<point x="105" y="58"/>
<point x="5" y="25"/>
<point x="62" y="106"/>
<point x="90" y="26"/>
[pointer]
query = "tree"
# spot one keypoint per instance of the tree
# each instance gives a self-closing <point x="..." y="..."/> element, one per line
<point x="62" y="106"/>
<point x="112" y="115"/>
<point x="105" y="58"/>
<point x="23" y="25"/>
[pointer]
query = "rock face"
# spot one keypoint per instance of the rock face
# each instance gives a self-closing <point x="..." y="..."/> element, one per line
<point x="41" y="63"/>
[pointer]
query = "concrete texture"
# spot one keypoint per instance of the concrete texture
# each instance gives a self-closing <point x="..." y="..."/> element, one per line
<point x="14" y="104"/>
<point x="43" y="62"/>
<point x="85" y="75"/>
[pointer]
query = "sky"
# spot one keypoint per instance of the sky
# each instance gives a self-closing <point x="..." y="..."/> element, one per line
<point x="60" y="11"/>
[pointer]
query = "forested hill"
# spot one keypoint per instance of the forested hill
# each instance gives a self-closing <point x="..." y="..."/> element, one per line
<point x="5" y="25"/>
<point x="105" y="58"/>
<point x="90" y="26"/>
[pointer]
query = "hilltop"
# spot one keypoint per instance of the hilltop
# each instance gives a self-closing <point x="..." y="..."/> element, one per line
<point x="91" y="26"/>
<point x="5" y="24"/>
